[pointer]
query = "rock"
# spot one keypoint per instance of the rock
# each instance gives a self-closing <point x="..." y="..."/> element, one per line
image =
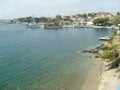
<point x="107" y="67"/>
<point x="96" y="56"/>
<point x="97" y="49"/>
<point x="115" y="64"/>
<point x="107" y="60"/>
<point x="85" y="51"/>
<point x="91" y="51"/>
<point x="101" y="47"/>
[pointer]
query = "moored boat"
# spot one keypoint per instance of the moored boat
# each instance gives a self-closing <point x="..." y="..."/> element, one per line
<point x="106" y="38"/>
<point x="67" y="26"/>
<point x="52" y="26"/>
<point x="33" y="25"/>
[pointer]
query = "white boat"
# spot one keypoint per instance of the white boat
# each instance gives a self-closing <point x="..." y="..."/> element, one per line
<point x="41" y="25"/>
<point x="72" y="26"/>
<point x="33" y="25"/>
<point x="67" y="26"/>
<point x="106" y="38"/>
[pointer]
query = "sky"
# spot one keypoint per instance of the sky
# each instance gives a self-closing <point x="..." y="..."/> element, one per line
<point x="10" y="9"/>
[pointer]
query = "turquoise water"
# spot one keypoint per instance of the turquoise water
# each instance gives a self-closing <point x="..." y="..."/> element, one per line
<point x="38" y="59"/>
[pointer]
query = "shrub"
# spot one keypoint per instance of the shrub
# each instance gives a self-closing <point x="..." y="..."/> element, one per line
<point x="111" y="39"/>
<point x="106" y="54"/>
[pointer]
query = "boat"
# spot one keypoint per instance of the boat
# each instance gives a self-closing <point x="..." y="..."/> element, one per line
<point x="41" y="25"/>
<point x="33" y="25"/>
<point x="106" y="38"/>
<point x="52" y="26"/>
<point x="72" y="26"/>
<point x="67" y="26"/>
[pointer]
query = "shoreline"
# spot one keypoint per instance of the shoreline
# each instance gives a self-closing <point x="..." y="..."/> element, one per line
<point x="93" y="77"/>
<point x="99" y="79"/>
<point x="110" y="79"/>
<point x="83" y="26"/>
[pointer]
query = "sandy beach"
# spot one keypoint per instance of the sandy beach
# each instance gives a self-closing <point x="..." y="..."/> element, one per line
<point x="110" y="79"/>
<point x="94" y="75"/>
<point x="99" y="79"/>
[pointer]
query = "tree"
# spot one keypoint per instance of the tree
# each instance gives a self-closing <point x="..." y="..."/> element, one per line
<point x="43" y="19"/>
<point x="116" y="21"/>
<point x="21" y="19"/>
<point x="101" y="21"/>
<point x="91" y="14"/>
<point x="118" y="13"/>
<point x="84" y="15"/>
<point x="58" y="18"/>
<point x="28" y="19"/>
<point x="37" y="20"/>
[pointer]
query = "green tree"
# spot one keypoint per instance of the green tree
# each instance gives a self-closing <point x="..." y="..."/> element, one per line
<point x="118" y="13"/>
<point x="37" y="20"/>
<point x="21" y="19"/>
<point x="28" y="19"/>
<point x="91" y="14"/>
<point x="43" y="19"/>
<point x="116" y="21"/>
<point x="84" y="15"/>
<point x="58" y="18"/>
<point x="101" y="21"/>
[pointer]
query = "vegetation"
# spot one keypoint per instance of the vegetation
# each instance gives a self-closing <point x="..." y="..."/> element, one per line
<point x="58" y="18"/>
<point x="116" y="21"/>
<point x="37" y="20"/>
<point x="83" y="18"/>
<point x="82" y="15"/>
<point x="28" y="19"/>
<point x="92" y="14"/>
<point x="118" y="13"/>
<point x="43" y="19"/>
<point x="31" y="19"/>
<point x="106" y="54"/>
<point x="111" y="39"/>
<point x="21" y="19"/>
<point x="101" y="21"/>
<point x="112" y="54"/>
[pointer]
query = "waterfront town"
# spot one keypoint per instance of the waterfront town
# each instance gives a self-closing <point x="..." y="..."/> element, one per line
<point x="96" y="20"/>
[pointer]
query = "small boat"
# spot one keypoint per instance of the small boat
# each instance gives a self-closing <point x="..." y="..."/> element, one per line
<point x="42" y="25"/>
<point x="106" y="38"/>
<point x="33" y="25"/>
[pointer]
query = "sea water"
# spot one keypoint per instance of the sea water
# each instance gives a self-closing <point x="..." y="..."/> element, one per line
<point x="45" y="59"/>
